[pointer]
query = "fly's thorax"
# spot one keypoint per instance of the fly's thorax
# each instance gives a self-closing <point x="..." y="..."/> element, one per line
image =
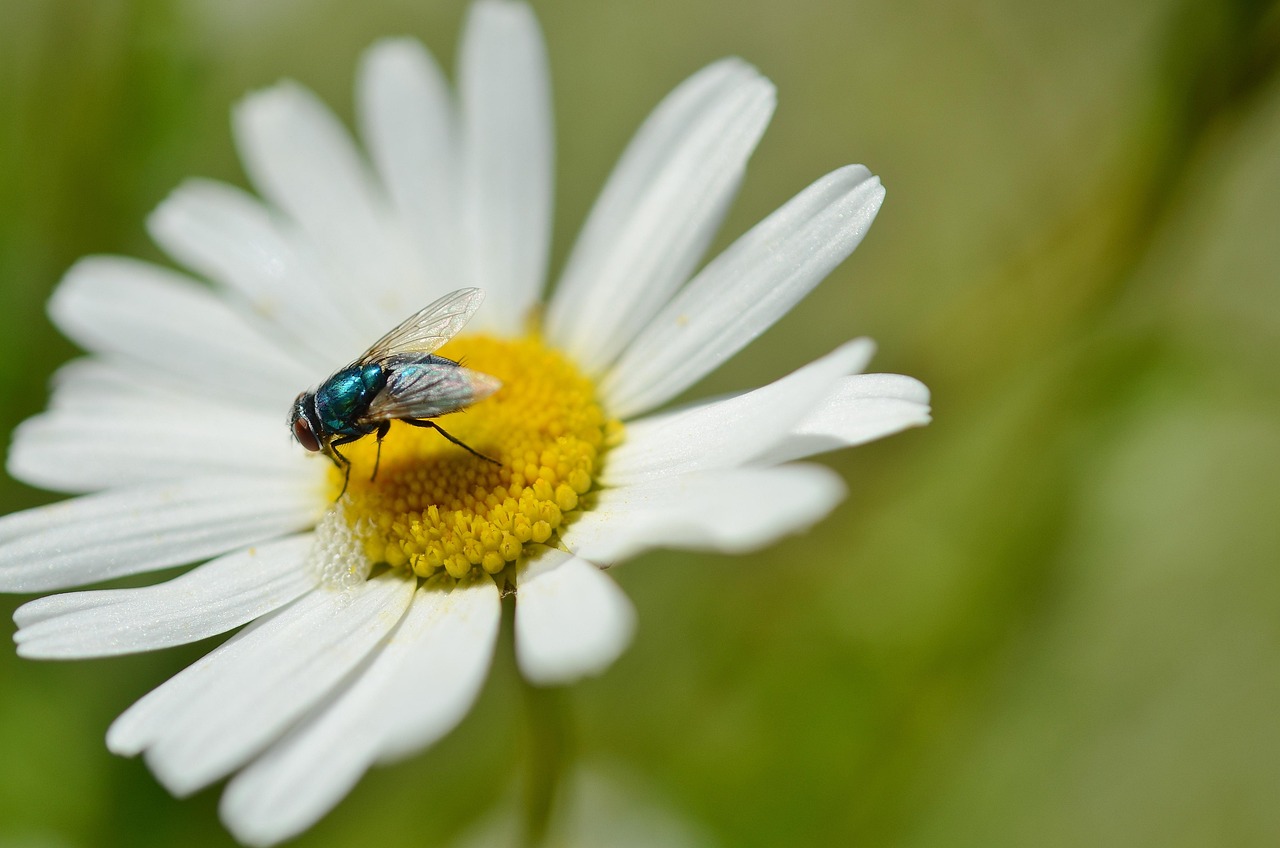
<point x="437" y="509"/>
<point x="345" y="396"/>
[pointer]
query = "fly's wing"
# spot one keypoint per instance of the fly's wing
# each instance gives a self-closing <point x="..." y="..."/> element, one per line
<point x="428" y="389"/>
<point x="428" y="328"/>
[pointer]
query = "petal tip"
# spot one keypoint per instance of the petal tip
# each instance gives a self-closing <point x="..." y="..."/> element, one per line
<point x="276" y="102"/>
<point x="122" y="739"/>
<point x="394" y="56"/>
<point x="574" y="624"/>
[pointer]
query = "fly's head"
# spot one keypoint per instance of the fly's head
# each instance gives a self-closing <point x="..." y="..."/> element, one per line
<point x="305" y="423"/>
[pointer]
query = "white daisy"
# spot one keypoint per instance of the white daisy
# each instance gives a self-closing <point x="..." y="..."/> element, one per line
<point x="172" y="431"/>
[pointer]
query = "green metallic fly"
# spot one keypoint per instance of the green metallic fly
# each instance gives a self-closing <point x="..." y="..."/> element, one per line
<point x="398" y="379"/>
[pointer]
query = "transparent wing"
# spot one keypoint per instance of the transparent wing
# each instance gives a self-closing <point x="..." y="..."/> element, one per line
<point x="428" y="389"/>
<point x="428" y="328"/>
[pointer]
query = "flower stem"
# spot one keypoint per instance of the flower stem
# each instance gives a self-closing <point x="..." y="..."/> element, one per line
<point x="547" y="758"/>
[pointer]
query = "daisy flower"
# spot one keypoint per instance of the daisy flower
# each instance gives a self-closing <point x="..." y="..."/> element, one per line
<point x="368" y="621"/>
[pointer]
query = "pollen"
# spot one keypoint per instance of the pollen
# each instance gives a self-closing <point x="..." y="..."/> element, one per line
<point x="436" y="509"/>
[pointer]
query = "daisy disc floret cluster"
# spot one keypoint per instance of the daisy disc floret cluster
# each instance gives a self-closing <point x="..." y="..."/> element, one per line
<point x="434" y="508"/>
<point x="386" y="602"/>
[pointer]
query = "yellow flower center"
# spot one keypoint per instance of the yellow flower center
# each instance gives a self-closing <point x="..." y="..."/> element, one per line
<point x="435" y="507"/>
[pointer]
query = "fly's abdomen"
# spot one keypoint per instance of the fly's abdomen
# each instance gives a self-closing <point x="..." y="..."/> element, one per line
<point x="344" y="398"/>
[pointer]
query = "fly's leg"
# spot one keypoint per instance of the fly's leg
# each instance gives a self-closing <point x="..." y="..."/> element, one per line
<point x="382" y="433"/>
<point x="341" y="461"/>
<point x="423" y="422"/>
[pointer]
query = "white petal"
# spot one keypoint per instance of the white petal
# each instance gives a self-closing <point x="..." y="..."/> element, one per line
<point x="228" y="236"/>
<point x="572" y="620"/>
<point x="167" y="324"/>
<point x="744" y="290"/>
<point x="444" y="675"/>
<point x="91" y="440"/>
<point x="143" y="723"/>
<point x="149" y="527"/>
<point x="416" y="689"/>
<point x="86" y="383"/>
<point x="507" y="149"/>
<point x="406" y="120"/>
<point x="862" y="408"/>
<point x="219" y="595"/>
<point x="729" y="511"/>
<point x="726" y="433"/>
<point x="216" y="714"/>
<point x="660" y="209"/>
<point x="301" y="158"/>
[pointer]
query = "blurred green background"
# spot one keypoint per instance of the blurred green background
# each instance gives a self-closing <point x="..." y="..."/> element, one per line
<point x="1051" y="618"/>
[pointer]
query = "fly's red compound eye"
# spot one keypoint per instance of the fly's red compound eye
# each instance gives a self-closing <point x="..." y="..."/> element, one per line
<point x="302" y="432"/>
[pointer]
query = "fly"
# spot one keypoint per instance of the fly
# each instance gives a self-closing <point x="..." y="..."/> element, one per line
<point x="398" y="379"/>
